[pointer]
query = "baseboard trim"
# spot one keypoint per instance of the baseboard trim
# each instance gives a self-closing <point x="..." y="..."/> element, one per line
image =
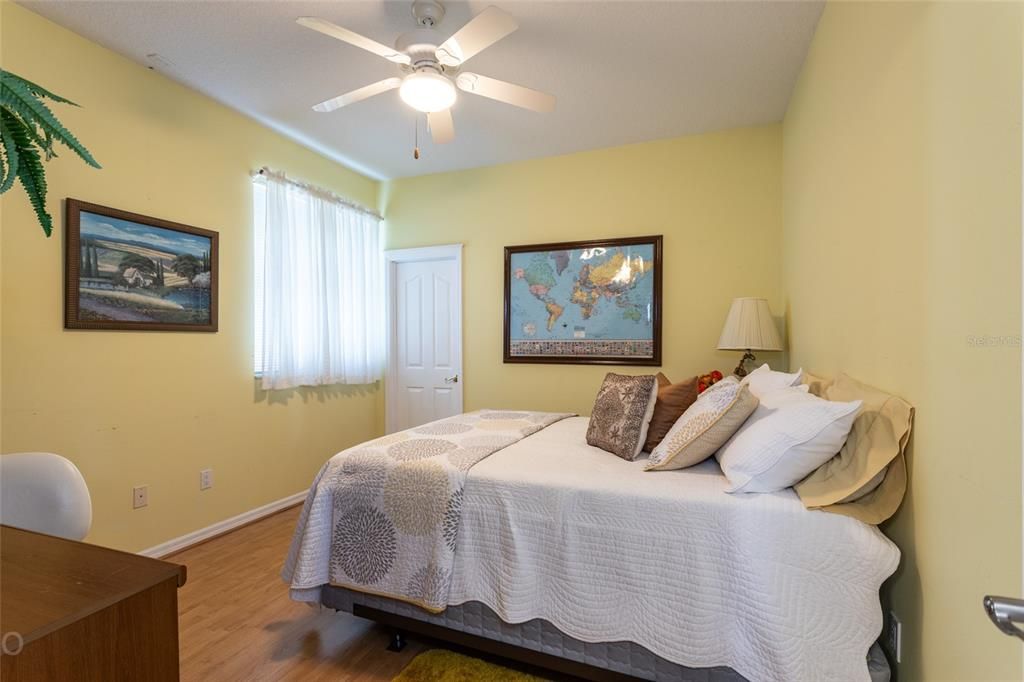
<point x="178" y="544"/>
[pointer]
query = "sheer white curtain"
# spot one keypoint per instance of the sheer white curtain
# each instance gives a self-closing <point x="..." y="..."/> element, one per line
<point x="319" y="287"/>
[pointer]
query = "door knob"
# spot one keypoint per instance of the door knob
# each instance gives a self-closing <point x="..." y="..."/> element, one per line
<point x="1006" y="613"/>
<point x="454" y="379"/>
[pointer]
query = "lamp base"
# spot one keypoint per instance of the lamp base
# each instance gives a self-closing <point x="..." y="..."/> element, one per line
<point x="740" y="371"/>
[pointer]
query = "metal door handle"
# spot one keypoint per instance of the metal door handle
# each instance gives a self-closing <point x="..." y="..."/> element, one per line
<point x="454" y="379"/>
<point x="1006" y="613"/>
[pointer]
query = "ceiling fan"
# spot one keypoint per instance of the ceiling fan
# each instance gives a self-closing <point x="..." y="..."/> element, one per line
<point x="432" y="66"/>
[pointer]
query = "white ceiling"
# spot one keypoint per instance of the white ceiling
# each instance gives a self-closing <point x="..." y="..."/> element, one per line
<point x="623" y="72"/>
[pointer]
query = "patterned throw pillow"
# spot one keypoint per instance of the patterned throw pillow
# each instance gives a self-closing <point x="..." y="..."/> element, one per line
<point x="706" y="426"/>
<point x="622" y="412"/>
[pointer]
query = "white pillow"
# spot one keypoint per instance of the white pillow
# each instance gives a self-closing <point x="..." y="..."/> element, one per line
<point x="789" y="435"/>
<point x="765" y="380"/>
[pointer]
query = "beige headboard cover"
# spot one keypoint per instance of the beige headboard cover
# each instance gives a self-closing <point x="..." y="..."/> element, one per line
<point x="868" y="478"/>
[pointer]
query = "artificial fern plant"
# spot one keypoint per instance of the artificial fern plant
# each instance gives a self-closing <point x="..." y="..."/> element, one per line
<point x="28" y="130"/>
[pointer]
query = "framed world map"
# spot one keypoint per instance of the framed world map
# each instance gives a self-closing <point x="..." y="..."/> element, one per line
<point x="591" y="302"/>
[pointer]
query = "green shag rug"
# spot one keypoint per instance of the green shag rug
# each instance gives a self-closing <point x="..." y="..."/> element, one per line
<point x="439" y="665"/>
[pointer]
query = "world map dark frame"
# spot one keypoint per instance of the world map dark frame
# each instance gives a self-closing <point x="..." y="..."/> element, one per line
<point x="653" y="360"/>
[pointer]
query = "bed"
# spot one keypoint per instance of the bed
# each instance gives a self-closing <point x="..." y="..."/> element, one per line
<point x="658" y="575"/>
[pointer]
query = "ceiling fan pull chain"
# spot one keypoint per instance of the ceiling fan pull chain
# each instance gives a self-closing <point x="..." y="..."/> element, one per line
<point x="416" y="138"/>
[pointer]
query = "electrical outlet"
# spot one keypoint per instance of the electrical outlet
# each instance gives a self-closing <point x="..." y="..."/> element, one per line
<point x="894" y="636"/>
<point x="140" y="496"/>
<point x="205" y="479"/>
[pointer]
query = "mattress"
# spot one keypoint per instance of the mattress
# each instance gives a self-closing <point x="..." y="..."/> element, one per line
<point x="556" y="530"/>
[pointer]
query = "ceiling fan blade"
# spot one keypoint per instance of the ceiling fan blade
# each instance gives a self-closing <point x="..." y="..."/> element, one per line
<point x="358" y="95"/>
<point x="442" y="128"/>
<point x="509" y="93"/>
<point x="353" y="38"/>
<point x="480" y="32"/>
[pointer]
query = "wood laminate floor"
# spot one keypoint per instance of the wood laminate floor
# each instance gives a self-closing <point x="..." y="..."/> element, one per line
<point x="237" y="623"/>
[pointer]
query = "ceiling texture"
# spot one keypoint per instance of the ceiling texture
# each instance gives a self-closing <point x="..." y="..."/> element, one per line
<point x="623" y="72"/>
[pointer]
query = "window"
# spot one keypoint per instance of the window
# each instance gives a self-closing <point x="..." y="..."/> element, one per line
<point x="319" y="287"/>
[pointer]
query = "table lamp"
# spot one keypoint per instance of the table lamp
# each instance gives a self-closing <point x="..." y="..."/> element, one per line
<point x="748" y="327"/>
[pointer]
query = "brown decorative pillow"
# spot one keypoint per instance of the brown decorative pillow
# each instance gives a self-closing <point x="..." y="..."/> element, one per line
<point x="622" y="411"/>
<point x="673" y="399"/>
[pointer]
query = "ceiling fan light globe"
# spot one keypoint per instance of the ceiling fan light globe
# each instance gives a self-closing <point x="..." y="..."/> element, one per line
<point x="427" y="92"/>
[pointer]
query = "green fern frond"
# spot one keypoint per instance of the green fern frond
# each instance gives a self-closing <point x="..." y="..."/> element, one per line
<point x="18" y="98"/>
<point x="11" y="156"/>
<point x="43" y="140"/>
<point x="37" y="90"/>
<point x="33" y="179"/>
<point x="28" y="130"/>
<point x="39" y="136"/>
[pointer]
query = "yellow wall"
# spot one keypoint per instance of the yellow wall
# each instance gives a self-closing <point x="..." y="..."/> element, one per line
<point x="714" y="197"/>
<point x="901" y="242"/>
<point x="155" y="408"/>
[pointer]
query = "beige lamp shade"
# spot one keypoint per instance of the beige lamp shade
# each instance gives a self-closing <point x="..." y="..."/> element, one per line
<point x="749" y="326"/>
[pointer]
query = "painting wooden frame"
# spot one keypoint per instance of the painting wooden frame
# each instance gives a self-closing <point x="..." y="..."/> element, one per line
<point x="651" y="358"/>
<point x="113" y="302"/>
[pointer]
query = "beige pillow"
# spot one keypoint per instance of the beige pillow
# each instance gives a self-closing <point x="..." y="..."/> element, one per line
<point x="816" y="385"/>
<point x="882" y="502"/>
<point x="853" y="482"/>
<point x="704" y="427"/>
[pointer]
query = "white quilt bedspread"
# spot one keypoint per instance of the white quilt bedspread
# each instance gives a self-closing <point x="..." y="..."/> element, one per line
<point x="555" y="529"/>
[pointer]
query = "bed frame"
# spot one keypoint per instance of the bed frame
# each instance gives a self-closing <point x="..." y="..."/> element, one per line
<point x="400" y="625"/>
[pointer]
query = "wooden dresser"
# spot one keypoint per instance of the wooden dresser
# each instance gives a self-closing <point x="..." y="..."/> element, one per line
<point x="82" y="613"/>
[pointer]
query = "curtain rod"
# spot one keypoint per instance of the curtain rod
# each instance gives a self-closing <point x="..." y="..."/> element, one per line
<point x="319" y="191"/>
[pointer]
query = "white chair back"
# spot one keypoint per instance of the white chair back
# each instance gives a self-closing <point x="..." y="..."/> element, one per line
<point x="46" y="493"/>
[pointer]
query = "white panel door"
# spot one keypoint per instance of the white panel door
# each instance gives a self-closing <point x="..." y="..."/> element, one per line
<point x="426" y="381"/>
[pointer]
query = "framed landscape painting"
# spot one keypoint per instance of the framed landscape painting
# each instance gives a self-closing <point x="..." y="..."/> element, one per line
<point x="590" y="302"/>
<point x="132" y="272"/>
